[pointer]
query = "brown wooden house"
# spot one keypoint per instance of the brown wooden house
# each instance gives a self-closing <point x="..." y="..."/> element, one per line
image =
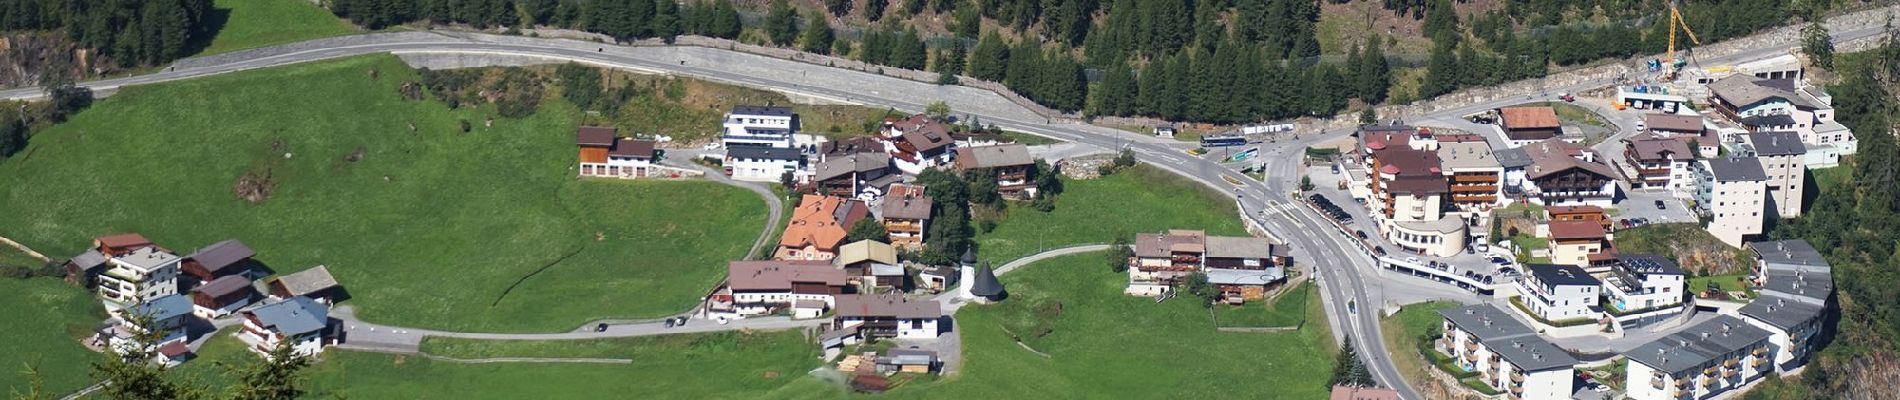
<point x="230" y="257"/>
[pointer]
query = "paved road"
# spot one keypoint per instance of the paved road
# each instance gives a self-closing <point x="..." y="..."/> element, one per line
<point x="1351" y="282"/>
<point x="370" y="336"/>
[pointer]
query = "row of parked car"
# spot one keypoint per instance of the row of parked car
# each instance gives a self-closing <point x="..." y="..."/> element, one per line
<point x="1631" y="222"/>
<point x="1331" y="210"/>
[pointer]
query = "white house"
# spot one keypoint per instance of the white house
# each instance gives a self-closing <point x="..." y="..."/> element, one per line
<point x="135" y="269"/>
<point x="764" y="164"/>
<point x="754" y="126"/>
<point x="888" y="316"/>
<point x="168" y="314"/>
<point x="1558" y="292"/>
<point x="917" y="143"/>
<point x="1702" y="361"/>
<point x="1643" y="282"/>
<point x="761" y="287"/>
<point x="301" y="321"/>
<point x="1731" y="192"/>
<point x="1506" y="354"/>
<point x="1785" y="105"/>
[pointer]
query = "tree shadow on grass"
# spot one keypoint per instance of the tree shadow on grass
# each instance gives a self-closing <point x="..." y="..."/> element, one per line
<point x="209" y="28"/>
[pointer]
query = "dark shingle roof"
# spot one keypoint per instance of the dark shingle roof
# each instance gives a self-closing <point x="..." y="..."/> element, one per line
<point x="1737" y="169"/>
<point x="162" y="308"/>
<point x="985" y="283"/>
<point x="296" y="316"/>
<point x="224" y="286"/>
<point x="1777" y="144"/>
<point x="763" y="153"/>
<point x="1782" y="312"/>
<point x="762" y="110"/>
<point x="1567" y="275"/>
<point x="1648" y="264"/>
<point x="594" y="136"/>
<point x="223" y="254"/>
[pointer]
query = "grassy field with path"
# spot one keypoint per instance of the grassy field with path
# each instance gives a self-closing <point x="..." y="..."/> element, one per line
<point x="45" y="320"/>
<point x="430" y="226"/>
<point x="258" y="23"/>
<point x="1135" y="200"/>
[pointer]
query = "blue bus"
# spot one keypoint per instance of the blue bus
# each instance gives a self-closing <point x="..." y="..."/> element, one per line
<point x="1222" y="141"/>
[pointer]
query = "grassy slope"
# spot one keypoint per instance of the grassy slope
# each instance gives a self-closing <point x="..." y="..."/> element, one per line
<point x="427" y="230"/>
<point x="1402" y="329"/>
<point x="1140" y="199"/>
<point x="45" y="319"/>
<point x="690" y="111"/>
<point x="259" y="23"/>
<point x="1108" y="345"/>
<point x="1690" y="245"/>
<point x="1287" y="310"/>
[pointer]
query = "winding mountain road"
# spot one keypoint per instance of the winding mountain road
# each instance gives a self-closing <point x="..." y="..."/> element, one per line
<point x="1351" y="282"/>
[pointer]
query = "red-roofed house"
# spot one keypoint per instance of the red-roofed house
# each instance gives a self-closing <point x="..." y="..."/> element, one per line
<point x="1529" y="124"/>
<point x="818" y="227"/>
<point x="603" y="154"/>
<point x="1580" y="243"/>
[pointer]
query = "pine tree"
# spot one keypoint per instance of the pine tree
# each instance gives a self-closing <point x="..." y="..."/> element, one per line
<point x="1348" y="369"/>
<point x="1441" y="75"/>
<point x="1818" y="45"/>
<point x="666" y="20"/>
<point x="908" y="52"/>
<point x="133" y="375"/>
<point x="1354" y="63"/>
<point x="781" y="25"/>
<point x="817" y="36"/>
<point x="874" y="9"/>
<point x="1375" y="74"/>
<point x="273" y="379"/>
<point x="838" y="8"/>
<point x="723" y="21"/>
<point x="990" y="58"/>
<point x="969" y="23"/>
<point x="1116" y="92"/>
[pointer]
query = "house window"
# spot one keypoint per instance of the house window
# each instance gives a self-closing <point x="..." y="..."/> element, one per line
<point x="916" y="324"/>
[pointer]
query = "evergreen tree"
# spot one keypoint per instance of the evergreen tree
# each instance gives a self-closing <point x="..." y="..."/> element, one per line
<point x="952" y="60"/>
<point x="273" y="379"/>
<point x="666" y="20"/>
<point x="12" y="138"/>
<point x="723" y="21"/>
<point x="1349" y="369"/>
<point x="1818" y="45"/>
<point x="990" y="58"/>
<point x="817" y="36"/>
<point x="579" y="84"/>
<point x="969" y="23"/>
<point x="874" y="9"/>
<point x="1064" y="88"/>
<point x="908" y="51"/>
<point x="1355" y="63"/>
<point x="1374" y="77"/>
<point x="1116" y="93"/>
<point x="781" y="26"/>
<point x="838" y="8"/>
<point x="134" y="375"/>
<point x="1120" y="252"/>
<point x="1441" y="74"/>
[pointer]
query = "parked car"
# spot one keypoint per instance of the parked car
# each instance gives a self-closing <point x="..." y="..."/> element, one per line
<point x="1379" y="251"/>
<point x="601" y="327"/>
<point x="1661" y="206"/>
<point x="1361" y="234"/>
<point x="669" y="322"/>
<point x="681" y="319"/>
<point x="1413" y="260"/>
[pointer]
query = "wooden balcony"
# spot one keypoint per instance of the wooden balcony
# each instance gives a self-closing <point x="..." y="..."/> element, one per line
<point x="1464" y="178"/>
<point x="1680" y="393"/>
<point x="1729" y="373"/>
<point x="1759" y="361"/>
<point x="1517" y="377"/>
<point x="1759" y="351"/>
<point x="1730" y="363"/>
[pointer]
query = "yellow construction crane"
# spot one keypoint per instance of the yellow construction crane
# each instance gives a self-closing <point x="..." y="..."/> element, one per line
<point x="1677" y="61"/>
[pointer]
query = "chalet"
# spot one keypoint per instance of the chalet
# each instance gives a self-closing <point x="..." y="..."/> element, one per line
<point x="1674" y="125"/>
<point x="1578" y="213"/>
<point x="1563" y="173"/>
<point x="1014" y="169"/>
<point x="855" y="145"/>
<point x="1524" y="125"/>
<point x="906" y="215"/>
<point x="84" y="269"/>
<point x="818" y="226"/>
<point x="872" y="262"/>
<point x="226" y="258"/>
<point x="761" y="287"/>
<point x="174" y="353"/>
<point x="603" y="154"/>
<point x="167" y="314"/>
<point x="917" y="143"/>
<point x="888" y="316"/>
<point x="315" y="283"/>
<point x="302" y="322"/>
<point x="1580" y="243"/>
<point x="1660" y="163"/>
<point x="860" y="175"/>
<point x="1243" y="268"/>
<point x="221" y="296"/>
<point x="1161" y="260"/>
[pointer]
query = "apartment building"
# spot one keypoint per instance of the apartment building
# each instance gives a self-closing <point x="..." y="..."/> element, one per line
<point x="1563" y="173"/>
<point x="906" y="215"/>
<point x="1659" y="163"/>
<point x="764" y="164"/>
<point x="763" y="287"/>
<point x="1785" y="105"/>
<point x="301" y="321"/>
<point x="1781" y="155"/>
<point x="135" y="270"/>
<point x="1640" y="282"/>
<point x="755" y="126"/>
<point x="1731" y="194"/>
<point x="1476" y="176"/>
<point x="1558" y="292"/>
<point x="1411" y="191"/>
<point x="1700" y="362"/>
<point x="1013" y="167"/>
<point x="1506" y="354"/>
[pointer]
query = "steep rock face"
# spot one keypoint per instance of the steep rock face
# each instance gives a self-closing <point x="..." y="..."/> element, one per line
<point x="25" y="56"/>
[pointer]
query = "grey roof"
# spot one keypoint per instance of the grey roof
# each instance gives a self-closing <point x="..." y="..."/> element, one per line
<point x="908" y="357"/>
<point x="223" y="254"/>
<point x="1225" y="276"/>
<point x="887" y="305"/>
<point x="1768" y="120"/>
<point x="763" y="153"/>
<point x="1002" y="155"/>
<point x="163" y="308"/>
<point x="1698" y="346"/>
<point x="1777" y="144"/>
<point x="307" y="281"/>
<point x="985" y="283"/>
<point x="839" y="166"/>
<point x="1808" y="285"/>
<point x="1782" y="312"/>
<point x="1238" y="247"/>
<point x="1531" y="353"/>
<point x="89" y="259"/>
<point x="1514" y="157"/>
<point x="1743" y="90"/>
<point x="882" y="269"/>
<point x="1507" y="337"/>
<point x="222" y="286"/>
<point x="148" y="257"/>
<point x="762" y="110"/>
<point x="296" y="316"/>
<point x="1648" y="264"/>
<point x="1569" y="275"/>
<point x="1736" y="169"/>
<point x="1795" y="252"/>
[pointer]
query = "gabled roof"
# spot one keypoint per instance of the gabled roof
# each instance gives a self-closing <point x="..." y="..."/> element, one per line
<point x="1238" y="247"/>
<point x="866" y="250"/>
<point x="907" y="201"/>
<point x="1002" y="155"/>
<point x="630" y="147"/>
<point x="1777" y="144"/>
<point x="780" y="274"/>
<point x="1528" y="118"/>
<point x="1652" y="148"/>
<point x="1576" y="209"/>
<point x="1405" y="161"/>
<point x="1509" y="339"/>
<point x="923" y="134"/>
<point x="295" y="316"/>
<point x="224" y="286"/>
<point x="1165" y="244"/>
<point x="762" y="110"/>
<point x="89" y="259"/>
<point x="307" y="281"/>
<point x="1227" y="276"/>
<point x="223" y="254"/>
<point x="1736" y="169"/>
<point x="822" y="221"/>
<point x="1673" y="122"/>
<point x="763" y="153"/>
<point x="1576" y="229"/>
<point x="839" y="166"/>
<point x="594" y="136"/>
<point x="123" y="240"/>
<point x="162" y="308"/>
<point x="1552" y="156"/>
<point x="1743" y="90"/>
<point x="887" y="305"/>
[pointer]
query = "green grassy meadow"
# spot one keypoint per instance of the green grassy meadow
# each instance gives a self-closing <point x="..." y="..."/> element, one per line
<point x="1290" y="309"/>
<point x="259" y="23"/>
<point x="1142" y="199"/>
<point x="1401" y="333"/>
<point x="45" y="320"/>
<point x="425" y="227"/>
